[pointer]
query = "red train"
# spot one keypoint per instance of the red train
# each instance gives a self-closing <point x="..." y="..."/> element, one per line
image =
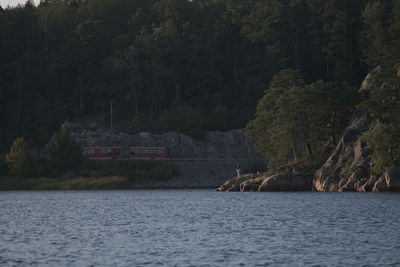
<point x="102" y="152"/>
<point x="159" y="152"/>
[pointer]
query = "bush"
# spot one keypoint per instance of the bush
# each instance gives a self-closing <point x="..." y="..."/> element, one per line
<point x="43" y="167"/>
<point x="384" y="141"/>
<point x="133" y="170"/>
<point x="17" y="159"/>
<point x="65" y="151"/>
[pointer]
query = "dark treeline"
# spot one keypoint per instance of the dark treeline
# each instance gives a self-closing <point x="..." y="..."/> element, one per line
<point x="172" y="64"/>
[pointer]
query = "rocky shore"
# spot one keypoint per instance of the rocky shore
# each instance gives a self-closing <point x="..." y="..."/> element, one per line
<point x="285" y="181"/>
<point x="347" y="168"/>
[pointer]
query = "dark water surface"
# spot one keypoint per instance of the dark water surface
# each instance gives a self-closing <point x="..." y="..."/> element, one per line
<point x="198" y="228"/>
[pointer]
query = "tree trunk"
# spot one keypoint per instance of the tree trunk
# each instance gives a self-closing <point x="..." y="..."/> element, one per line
<point x="132" y="79"/>
<point x="178" y="91"/>
<point x="309" y="149"/>
<point x="235" y="75"/>
<point x="294" y="151"/>
<point x="333" y="132"/>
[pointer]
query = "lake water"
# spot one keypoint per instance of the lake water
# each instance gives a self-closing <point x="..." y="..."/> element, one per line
<point x="198" y="228"/>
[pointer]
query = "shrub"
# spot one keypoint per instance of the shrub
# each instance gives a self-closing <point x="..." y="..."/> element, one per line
<point x="384" y="141"/>
<point x="65" y="151"/>
<point x="17" y="159"/>
<point x="133" y="170"/>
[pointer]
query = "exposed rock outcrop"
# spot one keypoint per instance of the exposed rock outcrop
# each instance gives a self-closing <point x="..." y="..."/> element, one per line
<point x="287" y="182"/>
<point x="351" y="160"/>
<point x="389" y="181"/>
<point x="215" y="145"/>
<point x="349" y="166"/>
<point x="251" y="185"/>
<point x="234" y="183"/>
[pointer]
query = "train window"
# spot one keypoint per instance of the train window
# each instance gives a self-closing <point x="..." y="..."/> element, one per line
<point x="87" y="152"/>
<point x="105" y="151"/>
<point x="135" y="151"/>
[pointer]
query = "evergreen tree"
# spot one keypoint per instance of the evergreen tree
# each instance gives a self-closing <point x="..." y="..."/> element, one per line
<point x="275" y="125"/>
<point x="384" y="141"/>
<point x="294" y="121"/>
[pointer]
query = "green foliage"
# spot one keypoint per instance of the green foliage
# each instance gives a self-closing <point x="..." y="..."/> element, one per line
<point x="293" y="121"/>
<point x="92" y="174"/>
<point x="382" y="33"/>
<point x="384" y="141"/>
<point x="65" y="60"/>
<point x="348" y="169"/>
<point x="92" y="183"/>
<point x="382" y="21"/>
<point x="65" y="151"/>
<point x="131" y="169"/>
<point x="383" y="100"/>
<point x="17" y="159"/>
<point x="273" y="128"/>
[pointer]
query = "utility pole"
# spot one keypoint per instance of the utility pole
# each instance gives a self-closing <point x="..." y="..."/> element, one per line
<point x="111" y="114"/>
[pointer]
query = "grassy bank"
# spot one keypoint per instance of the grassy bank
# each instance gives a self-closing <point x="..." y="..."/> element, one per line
<point x="94" y="174"/>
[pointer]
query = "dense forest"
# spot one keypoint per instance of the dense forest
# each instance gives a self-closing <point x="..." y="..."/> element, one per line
<point x="192" y="66"/>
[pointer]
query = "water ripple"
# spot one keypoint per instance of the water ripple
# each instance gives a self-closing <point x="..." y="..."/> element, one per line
<point x="198" y="228"/>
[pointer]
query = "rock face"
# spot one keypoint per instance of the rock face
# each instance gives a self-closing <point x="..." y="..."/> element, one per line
<point x="233" y="184"/>
<point x="251" y="185"/>
<point x="214" y="145"/>
<point x="349" y="166"/>
<point x="287" y="182"/>
<point x="389" y="181"/>
<point x="350" y="162"/>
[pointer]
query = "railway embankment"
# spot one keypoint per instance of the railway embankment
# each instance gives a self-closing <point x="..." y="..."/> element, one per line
<point x="200" y="163"/>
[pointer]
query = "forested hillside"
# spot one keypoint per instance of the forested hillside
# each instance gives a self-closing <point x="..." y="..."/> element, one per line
<point x="182" y="65"/>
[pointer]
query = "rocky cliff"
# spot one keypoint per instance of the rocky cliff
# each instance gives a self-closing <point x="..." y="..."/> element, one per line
<point x="349" y="166"/>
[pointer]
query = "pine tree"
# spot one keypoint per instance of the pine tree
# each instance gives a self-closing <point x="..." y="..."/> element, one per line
<point x="383" y="140"/>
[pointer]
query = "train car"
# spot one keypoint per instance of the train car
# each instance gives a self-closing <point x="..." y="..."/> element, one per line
<point x="154" y="152"/>
<point x="91" y="152"/>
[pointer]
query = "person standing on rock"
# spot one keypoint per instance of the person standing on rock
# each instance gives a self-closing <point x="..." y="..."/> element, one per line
<point x="237" y="169"/>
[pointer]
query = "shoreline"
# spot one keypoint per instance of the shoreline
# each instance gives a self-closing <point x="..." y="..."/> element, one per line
<point x="94" y="183"/>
